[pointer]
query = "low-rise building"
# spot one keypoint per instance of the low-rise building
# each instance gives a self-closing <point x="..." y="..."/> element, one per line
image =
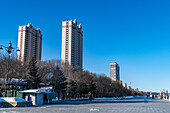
<point x="38" y="96"/>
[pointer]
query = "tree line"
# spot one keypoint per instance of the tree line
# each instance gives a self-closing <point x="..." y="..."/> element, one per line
<point x="66" y="81"/>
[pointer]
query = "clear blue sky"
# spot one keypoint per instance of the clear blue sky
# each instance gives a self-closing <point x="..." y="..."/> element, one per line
<point x="134" y="33"/>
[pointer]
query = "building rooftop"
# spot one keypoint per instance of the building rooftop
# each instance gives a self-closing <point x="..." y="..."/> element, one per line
<point x="36" y="91"/>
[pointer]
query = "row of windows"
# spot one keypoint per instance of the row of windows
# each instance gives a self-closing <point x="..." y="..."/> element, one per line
<point x="67" y="29"/>
<point x="66" y="41"/>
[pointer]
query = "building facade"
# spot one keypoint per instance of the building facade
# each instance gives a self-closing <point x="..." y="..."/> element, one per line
<point x="114" y="71"/>
<point x="29" y="43"/>
<point x="72" y="43"/>
<point x="125" y="85"/>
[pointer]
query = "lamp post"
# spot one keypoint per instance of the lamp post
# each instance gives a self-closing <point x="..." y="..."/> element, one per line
<point x="9" y="50"/>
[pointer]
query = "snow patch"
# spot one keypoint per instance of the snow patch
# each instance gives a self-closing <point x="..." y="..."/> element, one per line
<point x="105" y="98"/>
<point x="94" y="109"/>
<point x="129" y="97"/>
<point x="12" y="99"/>
<point x="119" y="98"/>
<point x="36" y="91"/>
<point x="2" y="100"/>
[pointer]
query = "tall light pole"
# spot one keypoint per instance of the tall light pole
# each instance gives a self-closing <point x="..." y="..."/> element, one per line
<point x="9" y="50"/>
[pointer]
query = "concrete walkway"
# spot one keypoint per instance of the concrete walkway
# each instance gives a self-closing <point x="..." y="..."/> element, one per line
<point x="137" y="105"/>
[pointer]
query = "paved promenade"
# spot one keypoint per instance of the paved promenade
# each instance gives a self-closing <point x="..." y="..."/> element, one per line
<point x="138" y="105"/>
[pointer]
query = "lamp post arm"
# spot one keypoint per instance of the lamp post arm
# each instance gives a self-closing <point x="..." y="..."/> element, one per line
<point x="3" y="46"/>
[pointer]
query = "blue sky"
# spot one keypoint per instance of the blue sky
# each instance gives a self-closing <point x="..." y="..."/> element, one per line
<point x="134" y="33"/>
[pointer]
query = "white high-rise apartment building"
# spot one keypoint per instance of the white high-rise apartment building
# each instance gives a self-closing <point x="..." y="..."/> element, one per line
<point x="114" y="71"/>
<point x="72" y="43"/>
<point x="29" y="43"/>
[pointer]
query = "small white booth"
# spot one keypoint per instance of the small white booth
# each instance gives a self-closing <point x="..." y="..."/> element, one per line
<point x="38" y="96"/>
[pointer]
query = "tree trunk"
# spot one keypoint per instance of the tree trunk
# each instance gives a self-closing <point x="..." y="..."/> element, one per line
<point x="58" y="95"/>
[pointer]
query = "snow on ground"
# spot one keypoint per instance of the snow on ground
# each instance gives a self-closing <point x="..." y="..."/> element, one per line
<point x="113" y="98"/>
<point x="12" y="99"/>
<point x="76" y="99"/>
<point x="129" y="97"/>
<point x="36" y="91"/>
<point x="94" y="109"/>
<point x="12" y="80"/>
<point x="104" y="98"/>
<point x="2" y="100"/>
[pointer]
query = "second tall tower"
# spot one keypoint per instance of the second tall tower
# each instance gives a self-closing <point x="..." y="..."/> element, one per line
<point x="72" y="43"/>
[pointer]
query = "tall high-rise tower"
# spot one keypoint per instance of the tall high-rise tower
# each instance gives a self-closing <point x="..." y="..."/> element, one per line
<point x="114" y="71"/>
<point x="29" y="43"/>
<point x="72" y="43"/>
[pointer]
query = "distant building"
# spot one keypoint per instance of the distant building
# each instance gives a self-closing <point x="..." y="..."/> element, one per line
<point x="29" y="43"/>
<point x="114" y="71"/>
<point x="72" y="43"/>
<point x="137" y="90"/>
<point x="129" y="87"/>
<point x="119" y="82"/>
<point x="125" y="85"/>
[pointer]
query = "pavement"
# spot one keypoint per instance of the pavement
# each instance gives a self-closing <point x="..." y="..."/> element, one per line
<point x="137" y="105"/>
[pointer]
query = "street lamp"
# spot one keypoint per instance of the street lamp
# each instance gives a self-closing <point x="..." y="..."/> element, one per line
<point x="9" y="50"/>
